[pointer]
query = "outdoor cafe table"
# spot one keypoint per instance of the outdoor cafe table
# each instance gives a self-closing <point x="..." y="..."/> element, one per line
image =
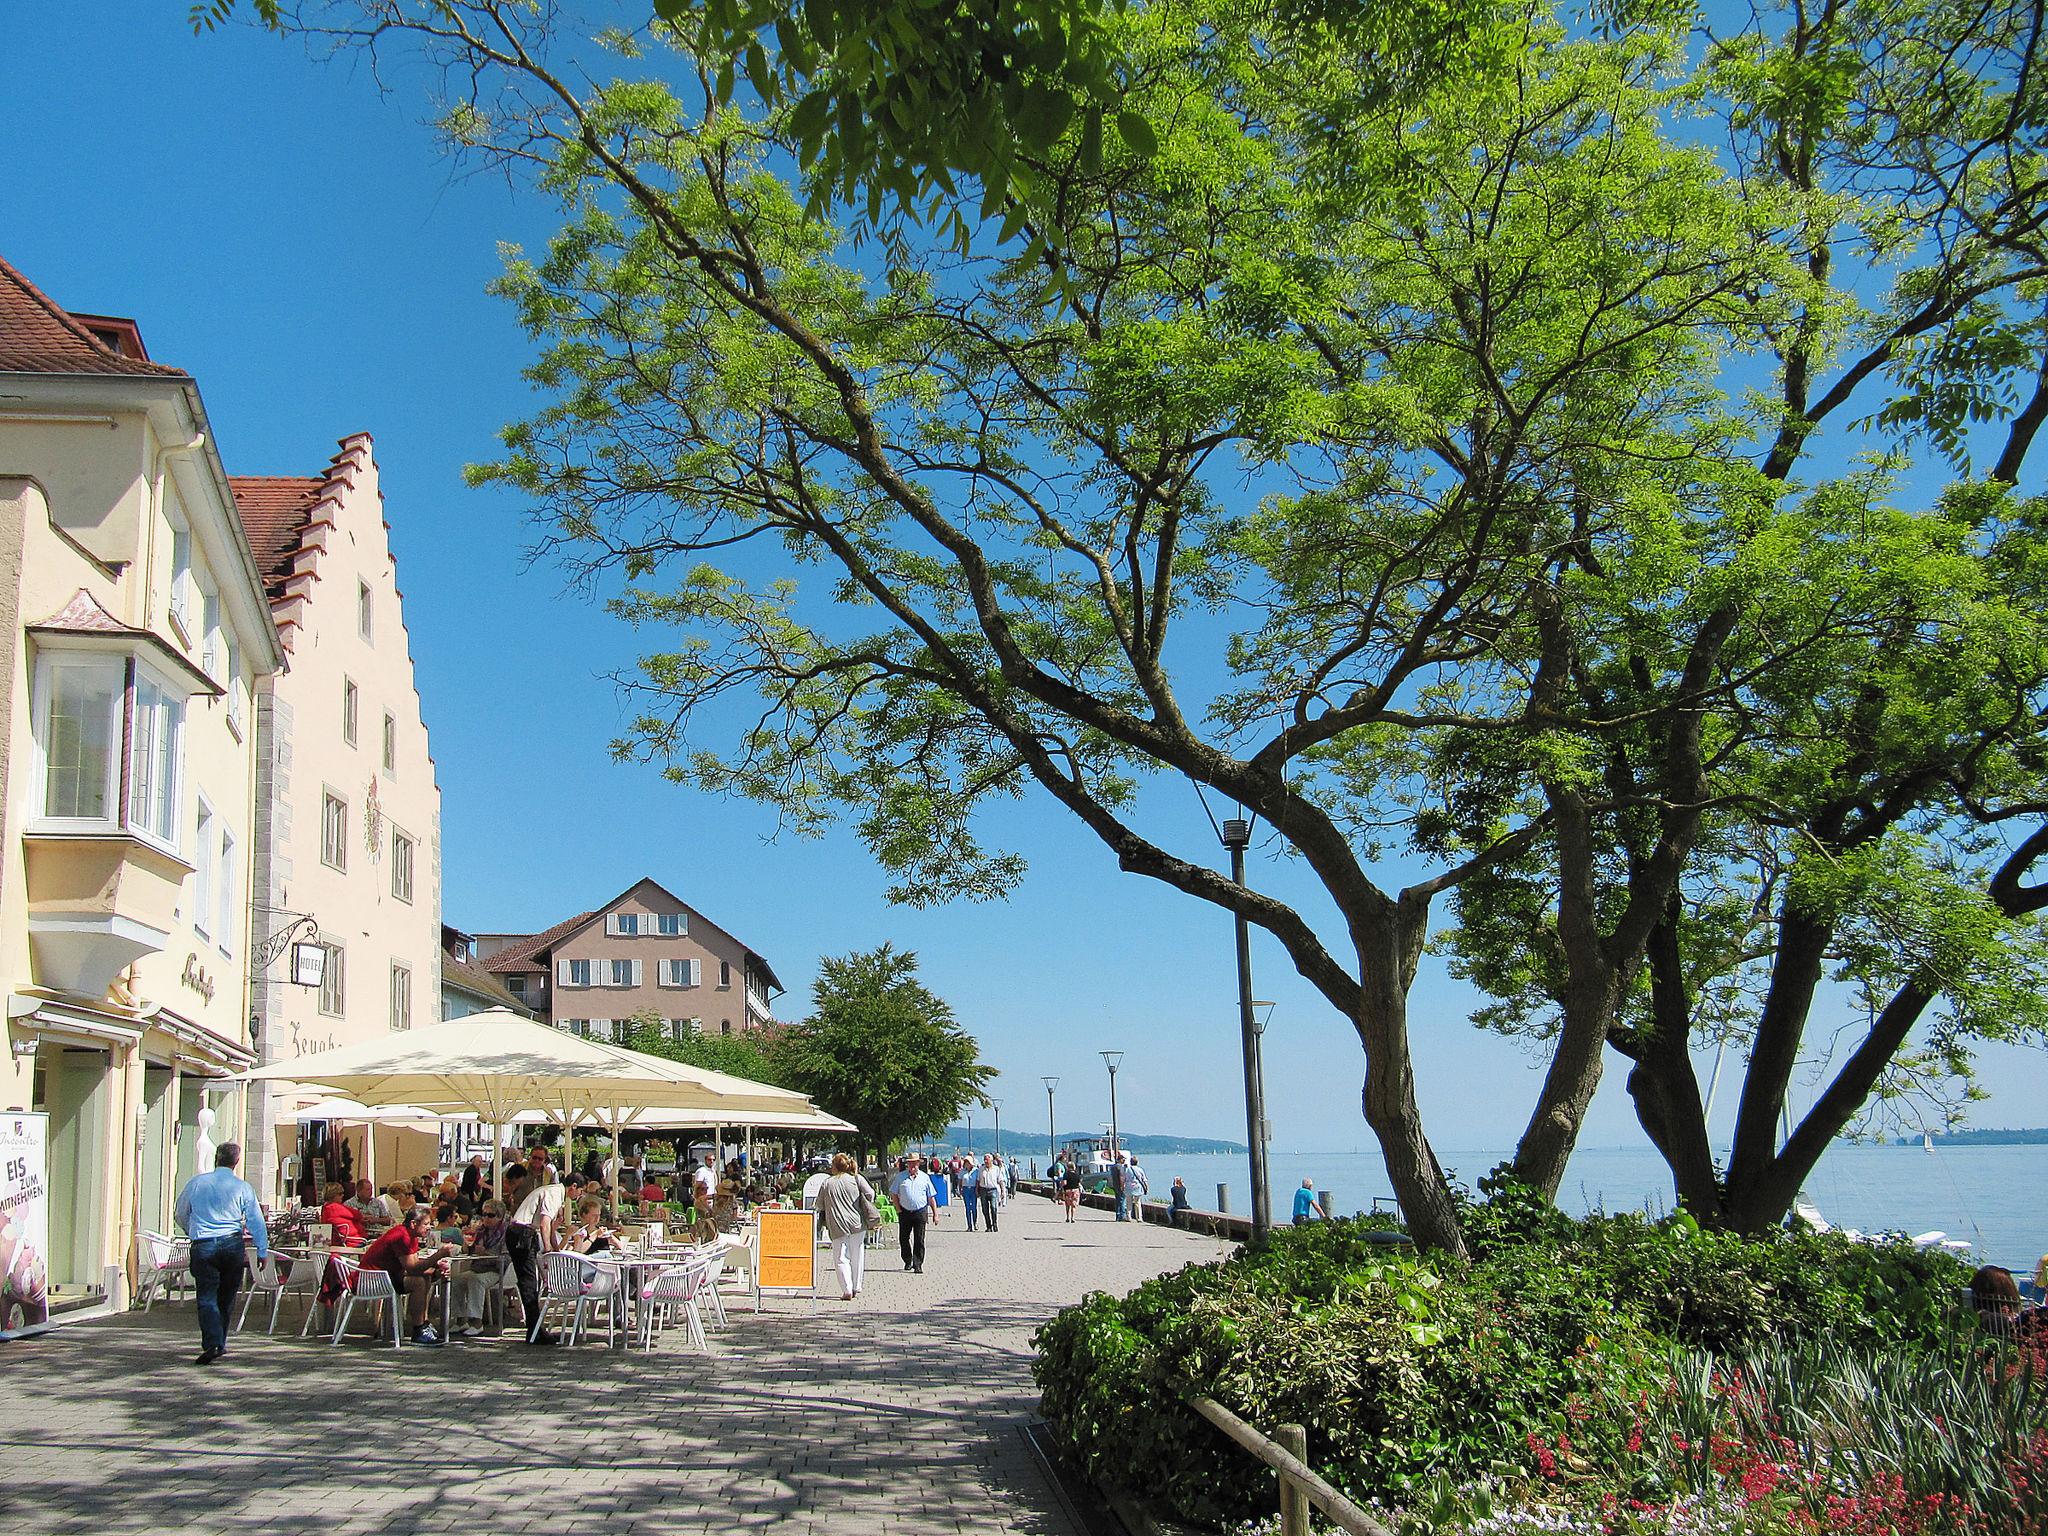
<point x="458" y="1263"/>
<point x="635" y="1271"/>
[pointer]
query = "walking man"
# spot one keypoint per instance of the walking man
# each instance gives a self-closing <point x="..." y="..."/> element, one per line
<point x="913" y="1195"/>
<point x="1130" y="1188"/>
<point x="214" y="1209"/>
<point x="531" y="1234"/>
<point x="990" y="1188"/>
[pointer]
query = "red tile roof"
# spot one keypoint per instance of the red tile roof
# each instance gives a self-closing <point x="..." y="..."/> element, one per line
<point x="521" y="956"/>
<point x="274" y="510"/>
<point x="37" y="335"/>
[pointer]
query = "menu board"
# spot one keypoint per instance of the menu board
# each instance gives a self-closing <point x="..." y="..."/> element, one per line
<point x="788" y="1258"/>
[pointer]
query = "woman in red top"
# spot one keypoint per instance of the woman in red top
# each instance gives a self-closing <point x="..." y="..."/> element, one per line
<point x="340" y="1215"/>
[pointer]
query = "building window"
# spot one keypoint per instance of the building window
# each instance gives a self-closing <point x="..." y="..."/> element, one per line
<point x="680" y="973"/>
<point x="622" y="973"/>
<point x="577" y="1026"/>
<point x="224" y="913"/>
<point x="333" y="831"/>
<point x="181" y="579"/>
<point x="401" y="866"/>
<point x="725" y="975"/>
<point x="390" y="746"/>
<point x="725" y="1026"/>
<point x="516" y="985"/>
<point x="349" y="702"/>
<point x="333" y="985"/>
<point x="78" y="734"/>
<point x="600" y="1029"/>
<point x="363" y="625"/>
<point x="670" y="925"/>
<point x="209" y="631"/>
<point x="155" y="754"/>
<point x="233" y="682"/>
<point x="401" y="996"/>
<point x="622" y="925"/>
<point x="203" y="894"/>
<point x="573" y="973"/>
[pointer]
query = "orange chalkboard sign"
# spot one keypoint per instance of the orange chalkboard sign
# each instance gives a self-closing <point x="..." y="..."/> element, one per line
<point x="788" y="1258"/>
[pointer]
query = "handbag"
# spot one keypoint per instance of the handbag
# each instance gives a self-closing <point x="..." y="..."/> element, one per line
<point x="870" y="1213"/>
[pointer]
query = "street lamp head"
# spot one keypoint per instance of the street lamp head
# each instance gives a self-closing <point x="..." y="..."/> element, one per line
<point x="1113" y="1059"/>
<point x="1050" y="1083"/>
<point x="1262" y="1015"/>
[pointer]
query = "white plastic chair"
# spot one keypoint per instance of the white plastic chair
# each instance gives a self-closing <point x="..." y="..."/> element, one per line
<point x="370" y="1285"/>
<point x="715" y="1268"/>
<point x="580" y="1286"/>
<point x="265" y="1278"/>
<point x="162" y="1264"/>
<point x="673" y="1289"/>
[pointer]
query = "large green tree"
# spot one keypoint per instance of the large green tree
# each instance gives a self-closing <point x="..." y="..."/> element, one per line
<point x="1381" y="460"/>
<point x="883" y="1050"/>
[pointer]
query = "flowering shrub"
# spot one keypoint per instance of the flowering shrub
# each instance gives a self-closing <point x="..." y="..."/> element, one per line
<point x="1628" y="1375"/>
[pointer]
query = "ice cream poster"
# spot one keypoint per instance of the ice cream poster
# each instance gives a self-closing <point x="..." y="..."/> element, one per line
<point x="24" y="1219"/>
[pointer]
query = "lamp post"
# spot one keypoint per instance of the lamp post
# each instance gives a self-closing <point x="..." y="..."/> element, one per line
<point x="1051" y="1135"/>
<point x="1237" y="836"/>
<point x="996" y="1106"/>
<point x="970" y="1133"/>
<point x="1112" y="1060"/>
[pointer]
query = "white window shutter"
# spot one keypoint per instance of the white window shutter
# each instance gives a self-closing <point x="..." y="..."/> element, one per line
<point x="611" y="924"/>
<point x="696" y="972"/>
<point x="562" y="973"/>
<point x="636" y="973"/>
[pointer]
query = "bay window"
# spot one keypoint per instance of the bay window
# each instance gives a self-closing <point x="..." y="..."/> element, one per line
<point x="155" y="755"/>
<point x="78" y="729"/>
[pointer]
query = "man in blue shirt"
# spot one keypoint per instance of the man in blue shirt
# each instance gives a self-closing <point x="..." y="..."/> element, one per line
<point x="913" y="1195"/>
<point x="214" y="1209"/>
<point x="1306" y="1208"/>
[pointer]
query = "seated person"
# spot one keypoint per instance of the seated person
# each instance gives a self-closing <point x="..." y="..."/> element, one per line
<point x="375" y="1212"/>
<point x="1996" y="1296"/>
<point x="402" y="1253"/>
<point x="485" y="1239"/>
<point x="448" y="1223"/>
<point x="342" y="1216"/>
<point x="590" y="1234"/>
<point x="652" y="1193"/>
<point x="403" y="1197"/>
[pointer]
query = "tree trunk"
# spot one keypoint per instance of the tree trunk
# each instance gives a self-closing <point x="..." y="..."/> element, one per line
<point x="1569" y="1084"/>
<point x="1664" y="1086"/>
<point x="1795" y="975"/>
<point x="1388" y="1096"/>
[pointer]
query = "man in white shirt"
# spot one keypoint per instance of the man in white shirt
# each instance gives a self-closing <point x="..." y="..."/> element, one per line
<point x="914" y="1195"/>
<point x="378" y="1211"/>
<point x="530" y="1234"/>
<point x="704" y="1181"/>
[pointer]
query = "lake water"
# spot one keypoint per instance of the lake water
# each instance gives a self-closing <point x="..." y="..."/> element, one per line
<point x="1989" y="1196"/>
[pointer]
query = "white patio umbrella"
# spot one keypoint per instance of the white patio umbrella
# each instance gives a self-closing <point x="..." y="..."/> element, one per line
<point x="496" y="1064"/>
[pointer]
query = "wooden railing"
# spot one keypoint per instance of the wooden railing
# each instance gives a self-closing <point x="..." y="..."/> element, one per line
<point x="1300" y="1486"/>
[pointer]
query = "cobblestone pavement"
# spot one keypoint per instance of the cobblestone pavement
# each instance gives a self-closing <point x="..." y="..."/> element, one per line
<point x="894" y="1414"/>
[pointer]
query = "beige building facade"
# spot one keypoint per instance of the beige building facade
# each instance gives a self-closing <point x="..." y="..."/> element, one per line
<point x="136" y="641"/>
<point x="348" y="809"/>
<point x="646" y="952"/>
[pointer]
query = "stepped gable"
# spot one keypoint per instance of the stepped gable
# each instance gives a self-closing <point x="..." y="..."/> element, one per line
<point x="288" y="518"/>
<point x="38" y="335"/>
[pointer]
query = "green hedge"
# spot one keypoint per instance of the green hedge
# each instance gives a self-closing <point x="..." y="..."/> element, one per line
<point x="1407" y="1369"/>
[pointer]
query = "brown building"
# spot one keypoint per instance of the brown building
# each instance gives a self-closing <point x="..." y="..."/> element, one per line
<point x="645" y="951"/>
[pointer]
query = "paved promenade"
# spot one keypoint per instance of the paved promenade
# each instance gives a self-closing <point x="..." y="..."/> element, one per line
<point x="896" y="1414"/>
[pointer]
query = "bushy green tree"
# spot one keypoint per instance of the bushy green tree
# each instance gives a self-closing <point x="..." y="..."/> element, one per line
<point x="755" y="1054"/>
<point x="883" y="1050"/>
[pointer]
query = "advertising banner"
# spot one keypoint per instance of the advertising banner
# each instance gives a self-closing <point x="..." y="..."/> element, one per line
<point x="24" y="1220"/>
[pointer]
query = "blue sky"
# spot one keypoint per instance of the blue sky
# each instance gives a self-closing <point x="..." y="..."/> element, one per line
<point x="296" y="241"/>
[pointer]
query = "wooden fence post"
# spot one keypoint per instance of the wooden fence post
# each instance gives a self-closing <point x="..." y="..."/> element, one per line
<point x="1293" y="1497"/>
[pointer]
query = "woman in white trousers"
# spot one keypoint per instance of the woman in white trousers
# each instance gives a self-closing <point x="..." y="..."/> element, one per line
<point x="843" y="1202"/>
